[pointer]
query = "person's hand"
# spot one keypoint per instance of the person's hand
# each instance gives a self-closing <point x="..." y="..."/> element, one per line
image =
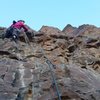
<point x="29" y="31"/>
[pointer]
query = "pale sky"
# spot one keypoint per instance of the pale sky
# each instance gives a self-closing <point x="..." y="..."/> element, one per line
<point x="56" y="13"/>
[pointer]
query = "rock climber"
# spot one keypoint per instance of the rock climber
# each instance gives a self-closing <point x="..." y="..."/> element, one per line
<point x="14" y="30"/>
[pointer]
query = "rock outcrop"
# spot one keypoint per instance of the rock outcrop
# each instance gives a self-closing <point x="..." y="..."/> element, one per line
<point x="72" y="55"/>
<point x="69" y="29"/>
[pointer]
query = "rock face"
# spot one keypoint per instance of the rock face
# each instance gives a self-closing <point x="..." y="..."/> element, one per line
<point x="69" y="29"/>
<point x="69" y="58"/>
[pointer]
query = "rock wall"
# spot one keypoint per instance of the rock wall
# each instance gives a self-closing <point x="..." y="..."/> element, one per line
<point x="73" y="57"/>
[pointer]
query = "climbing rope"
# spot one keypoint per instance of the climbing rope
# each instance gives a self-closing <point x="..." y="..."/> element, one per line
<point x="53" y="77"/>
<point x="50" y="64"/>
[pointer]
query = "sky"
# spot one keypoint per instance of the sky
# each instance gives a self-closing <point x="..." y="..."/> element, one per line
<point x="56" y="13"/>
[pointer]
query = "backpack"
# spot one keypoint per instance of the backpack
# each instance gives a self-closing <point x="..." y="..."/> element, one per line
<point x="14" y="22"/>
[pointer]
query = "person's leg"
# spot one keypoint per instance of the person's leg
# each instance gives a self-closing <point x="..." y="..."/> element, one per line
<point x="15" y="35"/>
<point x="8" y="33"/>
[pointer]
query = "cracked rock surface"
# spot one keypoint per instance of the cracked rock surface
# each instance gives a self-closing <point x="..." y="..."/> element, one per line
<point x="73" y="55"/>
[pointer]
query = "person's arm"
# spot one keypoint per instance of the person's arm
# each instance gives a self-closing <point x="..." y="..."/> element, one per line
<point x="25" y="28"/>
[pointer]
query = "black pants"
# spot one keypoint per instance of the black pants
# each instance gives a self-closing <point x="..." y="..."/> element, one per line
<point x="9" y="32"/>
<point x="12" y="32"/>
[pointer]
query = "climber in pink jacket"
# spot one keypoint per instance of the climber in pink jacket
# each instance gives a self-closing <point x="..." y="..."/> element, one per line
<point x="14" y="30"/>
<point x="19" y="25"/>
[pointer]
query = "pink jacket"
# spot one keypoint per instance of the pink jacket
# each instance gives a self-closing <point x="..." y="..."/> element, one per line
<point x="20" y="25"/>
